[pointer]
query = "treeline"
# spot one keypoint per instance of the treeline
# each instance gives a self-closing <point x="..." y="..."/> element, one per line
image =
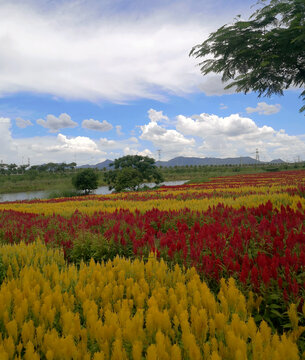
<point x="199" y="173"/>
<point x="13" y="169"/>
<point x="231" y="167"/>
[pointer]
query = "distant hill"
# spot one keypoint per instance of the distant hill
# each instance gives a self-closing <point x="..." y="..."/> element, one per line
<point x="183" y="161"/>
<point x="101" y="165"/>
<point x="277" y="161"/>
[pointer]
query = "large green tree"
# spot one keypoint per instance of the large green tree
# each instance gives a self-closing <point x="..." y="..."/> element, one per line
<point x="265" y="53"/>
<point x="131" y="171"/>
<point x="86" y="180"/>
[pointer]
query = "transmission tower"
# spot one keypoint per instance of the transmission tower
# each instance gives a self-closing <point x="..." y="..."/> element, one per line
<point x="159" y="154"/>
<point x="257" y="155"/>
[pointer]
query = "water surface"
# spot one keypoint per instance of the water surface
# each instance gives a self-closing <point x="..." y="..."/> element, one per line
<point x="102" y="190"/>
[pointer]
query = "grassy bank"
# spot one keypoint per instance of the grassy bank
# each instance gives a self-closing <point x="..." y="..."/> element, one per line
<point x="24" y="182"/>
<point x="196" y="174"/>
<point x="62" y="182"/>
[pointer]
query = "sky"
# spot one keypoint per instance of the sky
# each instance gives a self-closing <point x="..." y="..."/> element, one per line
<point x="87" y="81"/>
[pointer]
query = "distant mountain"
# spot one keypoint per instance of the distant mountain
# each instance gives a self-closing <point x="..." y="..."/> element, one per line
<point x="183" y="161"/>
<point x="101" y="165"/>
<point x="277" y="161"/>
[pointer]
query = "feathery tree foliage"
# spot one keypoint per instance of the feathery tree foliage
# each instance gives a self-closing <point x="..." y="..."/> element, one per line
<point x="265" y="53"/>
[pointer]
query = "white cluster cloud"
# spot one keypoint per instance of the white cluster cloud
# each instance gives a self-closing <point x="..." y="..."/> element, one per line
<point x="54" y="124"/>
<point x="198" y="135"/>
<point x="80" y="144"/>
<point x="108" y="144"/>
<point x="264" y="109"/>
<point x="8" y="148"/>
<point x="210" y="125"/>
<point x="96" y="125"/>
<point x="22" y="123"/>
<point x="156" y="116"/>
<point x="169" y="140"/>
<point x="129" y="151"/>
<point x="238" y="136"/>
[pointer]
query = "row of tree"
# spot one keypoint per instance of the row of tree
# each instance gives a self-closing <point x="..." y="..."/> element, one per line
<point x="13" y="169"/>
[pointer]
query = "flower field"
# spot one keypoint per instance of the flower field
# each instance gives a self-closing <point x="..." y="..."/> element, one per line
<point x="206" y="271"/>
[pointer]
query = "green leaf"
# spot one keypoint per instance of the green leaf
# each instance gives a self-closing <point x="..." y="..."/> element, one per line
<point x="262" y="54"/>
<point x="276" y="313"/>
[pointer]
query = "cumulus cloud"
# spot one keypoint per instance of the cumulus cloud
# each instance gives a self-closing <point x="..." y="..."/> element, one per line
<point x="206" y="125"/>
<point x="68" y="53"/>
<point x="264" y="109"/>
<point x="109" y="144"/>
<point x="8" y="148"/>
<point x="54" y="124"/>
<point x="21" y="123"/>
<point x="130" y="151"/>
<point x="156" y="116"/>
<point x="118" y="130"/>
<point x="236" y="135"/>
<point x="198" y="135"/>
<point x="212" y="85"/>
<point x="80" y="149"/>
<point x="80" y="144"/>
<point x="169" y="140"/>
<point x="96" y="125"/>
<point x="42" y="149"/>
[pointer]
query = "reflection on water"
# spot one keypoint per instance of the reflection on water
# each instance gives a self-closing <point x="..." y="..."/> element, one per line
<point x="24" y="196"/>
<point x="102" y="190"/>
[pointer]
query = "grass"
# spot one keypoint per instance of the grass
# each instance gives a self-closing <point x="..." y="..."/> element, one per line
<point x="41" y="182"/>
<point x="197" y="174"/>
<point x="63" y="193"/>
<point x="60" y="185"/>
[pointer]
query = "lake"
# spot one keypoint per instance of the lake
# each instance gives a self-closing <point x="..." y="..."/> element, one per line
<point x="102" y="190"/>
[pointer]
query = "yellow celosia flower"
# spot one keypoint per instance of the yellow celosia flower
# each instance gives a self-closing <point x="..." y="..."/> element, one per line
<point x="137" y="348"/>
<point x="152" y="352"/>
<point x="27" y="332"/>
<point x="215" y="356"/>
<point x="9" y="347"/>
<point x="99" y="356"/>
<point x="122" y="306"/>
<point x="11" y="328"/>
<point x="30" y="353"/>
<point x="293" y="316"/>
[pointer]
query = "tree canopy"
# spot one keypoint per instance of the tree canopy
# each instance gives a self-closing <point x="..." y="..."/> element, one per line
<point x="265" y="53"/>
<point x="86" y="180"/>
<point x="131" y="171"/>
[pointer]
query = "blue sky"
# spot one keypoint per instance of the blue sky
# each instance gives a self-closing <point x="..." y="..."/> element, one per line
<point x="92" y="80"/>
